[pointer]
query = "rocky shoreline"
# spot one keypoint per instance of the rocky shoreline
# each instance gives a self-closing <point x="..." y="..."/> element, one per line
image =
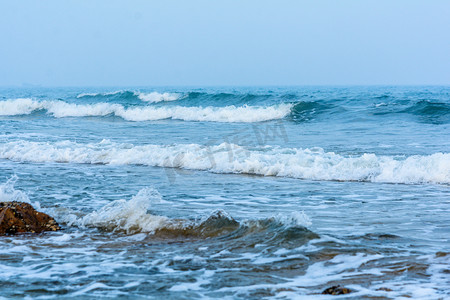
<point x="21" y="217"/>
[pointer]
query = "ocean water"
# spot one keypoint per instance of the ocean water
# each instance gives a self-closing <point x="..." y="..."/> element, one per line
<point x="235" y="193"/>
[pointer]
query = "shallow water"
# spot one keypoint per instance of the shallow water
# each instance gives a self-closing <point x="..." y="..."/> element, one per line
<point x="236" y="193"/>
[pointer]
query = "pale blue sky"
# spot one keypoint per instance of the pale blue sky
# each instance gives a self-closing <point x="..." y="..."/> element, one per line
<point x="153" y="43"/>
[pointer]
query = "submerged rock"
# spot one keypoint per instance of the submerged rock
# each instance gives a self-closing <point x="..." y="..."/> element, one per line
<point x="218" y="223"/>
<point x="384" y="289"/>
<point x="19" y="217"/>
<point x="336" y="290"/>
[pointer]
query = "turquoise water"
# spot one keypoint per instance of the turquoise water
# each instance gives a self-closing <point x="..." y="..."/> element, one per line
<point x="229" y="192"/>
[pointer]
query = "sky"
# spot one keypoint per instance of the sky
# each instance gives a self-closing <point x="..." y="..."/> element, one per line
<point x="224" y="43"/>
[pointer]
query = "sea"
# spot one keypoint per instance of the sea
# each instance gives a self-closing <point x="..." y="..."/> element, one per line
<point x="228" y="192"/>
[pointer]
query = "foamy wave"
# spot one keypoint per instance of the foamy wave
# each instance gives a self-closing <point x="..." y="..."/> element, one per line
<point x="294" y="219"/>
<point x="98" y="94"/>
<point x="8" y="193"/>
<point x="130" y="216"/>
<point x="133" y="216"/>
<point x="313" y="164"/>
<point x="155" y="97"/>
<point x="21" y="106"/>
<point x="60" y="109"/>
<point x="152" y="97"/>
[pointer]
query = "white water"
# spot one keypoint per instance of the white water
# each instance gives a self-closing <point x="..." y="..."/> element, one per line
<point x="8" y="193"/>
<point x="155" y="97"/>
<point x="98" y="94"/>
<point x="152" y="97"/>
<point x="313" y="164"/>
<point x="130" y="216"/>
<point x="60" y="109"/>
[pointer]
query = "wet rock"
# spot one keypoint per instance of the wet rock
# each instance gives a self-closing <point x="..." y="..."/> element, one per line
<point x="336" y="290"/>
<point x="217" y="224"/>
<point x="220" y="219"/>
<point x="442" y="254"/>
<point x="19" y="217"/>
<point x="384" y="289"/>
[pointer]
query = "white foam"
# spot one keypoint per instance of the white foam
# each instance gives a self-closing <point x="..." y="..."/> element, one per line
<point x="313" y="164"/>
<point x="152" y="97"/>
<point x="155" y="97"/>
<point x="130" y="216"/>
<point x="296" y="218"/>
<point x="60" y="109"/>
<point x="8" y="193"/>
<point x="98" y="94"/>
<point x="21" y="106"/>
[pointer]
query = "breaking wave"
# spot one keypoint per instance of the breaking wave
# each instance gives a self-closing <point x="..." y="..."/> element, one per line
<point x="60" y="109"/>
<point x="129" y="216"/>
<point x="155" y="97"/>
<point x="133" y="217"/>
<point x="9" y="194"/>
<point x="152" y="97"/>
<point x="93" y="95"/>
<point x="311" y="164"/>
<point x="235" y="98"/>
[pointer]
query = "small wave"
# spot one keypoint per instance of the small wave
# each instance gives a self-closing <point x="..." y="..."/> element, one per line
<point x="197" y="97"/>
<point x="311" y="164"/>
<point x="429" y="108"/>
<point x="429" y="111"/>
<point x="155" y="97"/>
<point x="227" y="97"/>
<point x="60" y="109"/>
<point x="91" y="95"/>
<point x="307" y="110"/>
<point x="130" y="216"/>
<point x="133" y="217"/>
<point x="152" y="97"/>
<point x="9" y="194"/>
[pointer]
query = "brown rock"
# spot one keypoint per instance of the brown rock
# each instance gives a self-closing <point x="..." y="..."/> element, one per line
<point x="336" y="290"/>
<point x="385" y="289"/>
<point x="18" y="217"/>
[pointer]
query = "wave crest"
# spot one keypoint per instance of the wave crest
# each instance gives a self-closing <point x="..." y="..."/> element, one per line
<point x="129" y="216"/>
<point x="9" y="194"/>
<point x="312" y="164"/>
<point x="152" y="97"/>
<point x="93" y="95"/>
<point x="155" y="97"/>
<point x="60" y="109"/>
<point x="133" y="217"/>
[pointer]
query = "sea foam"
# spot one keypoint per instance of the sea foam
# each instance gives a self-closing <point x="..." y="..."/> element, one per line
<point x="60" y="109"/>
<point x="130" y="216"/>
<point x="99" y="94"/>
<point x="155" y="97"/>
<point x="312" y="164"/>
<point x="133" y="217"/>
<point x="152" y="97"/>
<point x="8" y="193"/>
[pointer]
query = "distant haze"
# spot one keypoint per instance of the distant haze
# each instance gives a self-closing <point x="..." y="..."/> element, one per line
<point x="153" y="43"/>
